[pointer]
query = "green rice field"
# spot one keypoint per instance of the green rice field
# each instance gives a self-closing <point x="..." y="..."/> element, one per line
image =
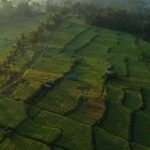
<point x="85" y="88"/>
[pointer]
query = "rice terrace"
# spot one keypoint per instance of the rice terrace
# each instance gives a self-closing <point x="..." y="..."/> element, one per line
<point x="74" y="75"/>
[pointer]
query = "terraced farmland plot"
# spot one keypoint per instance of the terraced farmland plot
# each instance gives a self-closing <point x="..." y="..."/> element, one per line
<point x="146" y="98"/>
<point x="99" y="47"/>
<point x="116" y="93"/>
<point x="133" y="100"/>
<point x="17" y="142"/>
<point x="46" y="70"/>
<point x="49" y="67"/>
<point x="91" y="109"/>
<point x="11" y="113"/>
<point x="65" y="97"/>
<point x="66" y="92"/>
<point x="71" y="131"/>
<point x="66" y="34"/>
<point x="106" y="141"/>
<point x="89" y="73"/>
<point x="33" y="81"/>
<point x="141" y="128"/>
<point x="58" y="64"/>
<point x="83" y="40"/>
<point x="117" y="121"/>
<point x="37" y="132"/>
<point x="139" y="147"/>
<point x="144" y="47"/>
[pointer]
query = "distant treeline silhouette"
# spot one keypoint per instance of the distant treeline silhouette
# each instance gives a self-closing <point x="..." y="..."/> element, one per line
<point x="116" y="19"/>
<point x="8" y="9"/>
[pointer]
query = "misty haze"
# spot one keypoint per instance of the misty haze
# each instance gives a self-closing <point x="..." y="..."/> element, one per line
<point x="74" y="74"/>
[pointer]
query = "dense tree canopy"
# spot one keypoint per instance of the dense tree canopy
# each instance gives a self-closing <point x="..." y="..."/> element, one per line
<point x="116" y="18"/>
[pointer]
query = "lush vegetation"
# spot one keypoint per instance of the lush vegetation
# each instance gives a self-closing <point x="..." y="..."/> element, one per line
<point x="69" y="85"/>
<point x="116" y="18"/>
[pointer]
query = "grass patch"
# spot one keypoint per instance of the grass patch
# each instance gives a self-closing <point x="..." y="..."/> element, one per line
<point x="11" y="113"/>
<point x="32" y="82"/>
<point x="115" y="93"/>
<point x="141" y="128"/>
<point x="107" y="141"/>
<point x="71" y="136"/>
<point x="58" y="64"/>
<point x="63" y="98"/>
<point x="139" y="147"/>
<point x="133" y="100"/>
<point x="17" y="142"/>
<point x="25" y="90"/>
<point x="38" y="132"/>
<point x="117" y="121"/>
<point x="66" y="35"/>
<point x="82" y="40"/>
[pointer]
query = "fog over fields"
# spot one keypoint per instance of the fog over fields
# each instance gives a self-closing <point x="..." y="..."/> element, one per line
<point x="74" y="74"/>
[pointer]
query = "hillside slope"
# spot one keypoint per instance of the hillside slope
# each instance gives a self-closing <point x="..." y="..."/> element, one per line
<point x="83" y="88"/>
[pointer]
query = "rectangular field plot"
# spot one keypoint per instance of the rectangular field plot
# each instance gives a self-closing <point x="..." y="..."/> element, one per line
<point x="26" y="90"/>
<point x="94" y="50"/>
<point x="115" y="93"/>
<point x="91" y="109"/>
<point x="45" y="70"/>
<point x="58" y="64"/>
<point x="145" y="47"/>
<point x="80" y="41"/>
<point x="32" y="82"/>
<point x="117" y="120"/>
<point x="66" y="35"/>
<point x="99" y="47"/>
<point x="38" y="132"/>
<point x="18" y="142"/>
<point x="120" y="66"/>
<point x="138" y="69"/>
<point x="91" y="71"/>
<point x="71" y="131"/>
<point x="60" y="39"/>
<point x="11" y="113"/>
<point x="141" y="129"/>
<point x="63" y="98"/>
<point x="107" y="141"/>
<point x="126" y="47"/>
<point x="136" y="146"/>
<point x="42" y="77"/>
<point x="133" y="100"/>
<point x="58" y="148"/>
<point x="146" y="97"/>
<point x="106" y="37"/>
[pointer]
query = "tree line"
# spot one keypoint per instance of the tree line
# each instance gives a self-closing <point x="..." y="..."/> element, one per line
<point x="116" y="18"/>
<point x="9" y="9"/>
